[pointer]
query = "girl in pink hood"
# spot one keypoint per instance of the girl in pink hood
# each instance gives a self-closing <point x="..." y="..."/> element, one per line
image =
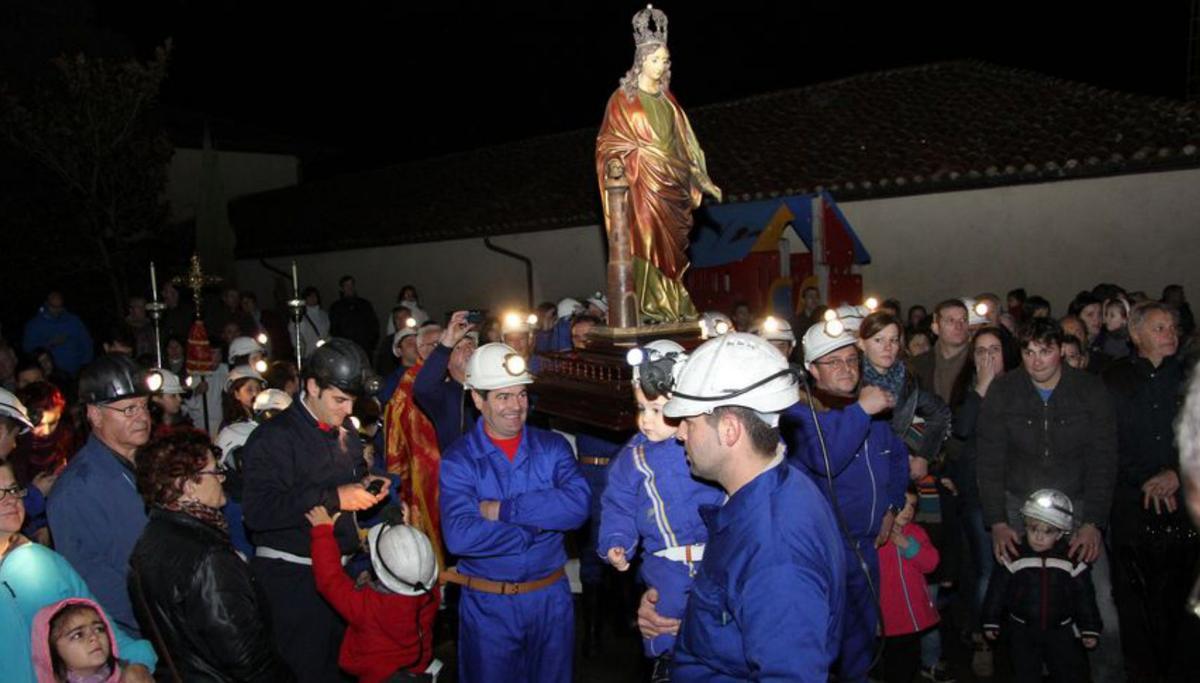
<point x="72" y="643"/>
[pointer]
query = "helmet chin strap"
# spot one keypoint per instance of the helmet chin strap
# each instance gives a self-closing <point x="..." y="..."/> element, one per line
<point x="419" y="587"/>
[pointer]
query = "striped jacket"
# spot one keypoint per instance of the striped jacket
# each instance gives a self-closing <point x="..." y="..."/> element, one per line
<point x="1042" y="591"/>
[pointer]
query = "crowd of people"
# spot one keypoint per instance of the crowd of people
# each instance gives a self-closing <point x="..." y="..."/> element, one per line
<point x="808" y="495"/>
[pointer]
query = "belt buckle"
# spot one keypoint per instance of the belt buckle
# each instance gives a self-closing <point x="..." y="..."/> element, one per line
<point x="509" y="588"/>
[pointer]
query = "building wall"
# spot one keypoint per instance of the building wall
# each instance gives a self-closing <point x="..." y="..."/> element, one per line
<point x="1054" y="239"/>
<point x="241" y="173"/>
<point x="449" y="275"/>
<point x="1140" y="231"/>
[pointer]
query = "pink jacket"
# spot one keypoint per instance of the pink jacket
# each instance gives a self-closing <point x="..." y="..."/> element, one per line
<point x="904" y="597"/>
<point x="40" y="645"/>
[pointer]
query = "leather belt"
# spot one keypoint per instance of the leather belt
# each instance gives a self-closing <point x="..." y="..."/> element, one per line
<point x="683" y="553"/>
<point x="273" y="554"/>
<point x="594" y="461"/>
<point x="500" y="587"/>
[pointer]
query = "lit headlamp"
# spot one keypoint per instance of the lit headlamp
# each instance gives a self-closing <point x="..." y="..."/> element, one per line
<point x="410" y="322"/>
<point x="981" y="309"/>
<point x="260" y="366"/>
<point x="771" y="324"/>
<point x="261" y="338"/>
<point x="871" y="303"/>
<point x="320" y="343"/>
<point x="187" y="382"/>
<point x="653" y="371"/>
<point x="154" y="381"/>
<point x="514" y="364"/>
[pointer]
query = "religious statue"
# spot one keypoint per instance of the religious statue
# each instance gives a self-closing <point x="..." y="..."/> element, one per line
<point x="646" y="130"/>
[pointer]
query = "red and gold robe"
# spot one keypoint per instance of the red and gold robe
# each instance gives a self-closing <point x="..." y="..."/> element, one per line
<point x="411" y="451"/>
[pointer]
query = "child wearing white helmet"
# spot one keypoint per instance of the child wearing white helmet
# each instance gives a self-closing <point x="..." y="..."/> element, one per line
<point x="652" y="499"/>
<point x="1042" y="599"/>
<point x="389" y="621"/>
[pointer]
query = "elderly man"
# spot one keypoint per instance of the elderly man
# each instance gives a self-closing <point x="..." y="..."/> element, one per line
<point x="859" y="464"/>
<point x="438" y="388"/>
<point x="95" y="512"/>
<point x="1048" y="425"/>
<point x="768" y="599"/>
<point x="1151" y="535"/>
<point x="509" y="494"/>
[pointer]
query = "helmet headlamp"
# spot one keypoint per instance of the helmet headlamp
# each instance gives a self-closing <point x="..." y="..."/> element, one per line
<point x="871" y="303"/>
<point x="261" y="338"/>
<point x="514" y="364"/>
<point x="154" y="381"/>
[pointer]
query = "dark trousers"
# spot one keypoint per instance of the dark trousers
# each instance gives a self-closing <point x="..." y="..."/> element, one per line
<point x="1058" y="648"/>
<point x="307" y="630"/>
<point x="901" y="658"/>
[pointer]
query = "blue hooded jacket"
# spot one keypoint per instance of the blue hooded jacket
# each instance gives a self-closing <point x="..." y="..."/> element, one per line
<point x="64" y="335"/>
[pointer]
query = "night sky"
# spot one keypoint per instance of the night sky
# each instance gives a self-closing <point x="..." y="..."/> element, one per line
<point x="389" y="81"/>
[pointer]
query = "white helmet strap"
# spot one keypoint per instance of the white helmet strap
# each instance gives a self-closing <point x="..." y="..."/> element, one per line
<point x="382" y="563"/>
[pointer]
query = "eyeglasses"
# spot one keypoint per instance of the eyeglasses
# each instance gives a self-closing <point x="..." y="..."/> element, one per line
<point x="15" y="491"/>
<point x="129" y="411"/>
<point x="217" y="471"/>
<point x="850" y="363"/>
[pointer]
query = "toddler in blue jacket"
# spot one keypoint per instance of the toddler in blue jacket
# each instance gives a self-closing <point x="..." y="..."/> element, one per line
<point x="652" y="498"/>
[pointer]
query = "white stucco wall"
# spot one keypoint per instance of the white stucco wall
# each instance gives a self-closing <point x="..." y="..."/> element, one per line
<point x="449" y="275"/>
<point x="1140" y="231"/>
<point x="242" y="173"/>
<point x="1054" y="239"/>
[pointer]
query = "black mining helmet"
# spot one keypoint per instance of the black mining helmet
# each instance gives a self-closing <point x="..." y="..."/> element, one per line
<point x="343" y="364"/>
<point x="113" y="377"/>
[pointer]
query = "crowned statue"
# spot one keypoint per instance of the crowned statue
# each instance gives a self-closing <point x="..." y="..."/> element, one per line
<point x="646" y="130"/>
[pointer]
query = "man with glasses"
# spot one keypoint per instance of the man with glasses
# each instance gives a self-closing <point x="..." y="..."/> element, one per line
<point x="937" y="369"/>
<point x="859" y="464"/>
<point x="95" y="512"/>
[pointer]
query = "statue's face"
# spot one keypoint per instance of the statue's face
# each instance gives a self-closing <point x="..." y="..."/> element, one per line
<point x="656" y="63"/>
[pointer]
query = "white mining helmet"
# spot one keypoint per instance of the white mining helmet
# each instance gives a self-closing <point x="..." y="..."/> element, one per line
<point x="402" y="558"/>
<point x="599" y="300"/>
<point x="655" y="350"/>
<point x="11" y="406"/>
<point x="735" y="369"/>
<point x="1052" y="507"/>
<point x="276" y="400"/>
<point x="170" y="382"/>
<point x="244" y="346"/>
<point x="495" y="366"/>
<point x="569" y="308"/>
<point x="715" y="324"/>
<point x="232" y="438"/>
<point x="243" y="372"/>
<point x="776" y="329"/>
<point x="824" y="338"/>
<point x="976" y="312"/>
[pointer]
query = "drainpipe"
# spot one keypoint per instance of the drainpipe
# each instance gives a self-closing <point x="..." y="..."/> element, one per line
<point x="487" y="242"/>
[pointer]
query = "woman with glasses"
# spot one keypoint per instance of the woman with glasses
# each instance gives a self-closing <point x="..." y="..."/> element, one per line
<point x="34" y="576"/>
<point x="192" y="593"/>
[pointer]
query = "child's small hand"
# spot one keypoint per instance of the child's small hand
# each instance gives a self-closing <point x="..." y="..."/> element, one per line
<point x="616" y="557"/>
<point x="898" y="538"/>
<point x="1089" y="642"/>
<point x="991" y="634"/>
<point x="319" y="515"/>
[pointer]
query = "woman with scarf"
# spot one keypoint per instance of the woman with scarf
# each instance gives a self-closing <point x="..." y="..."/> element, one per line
<point x="194" y="597"/>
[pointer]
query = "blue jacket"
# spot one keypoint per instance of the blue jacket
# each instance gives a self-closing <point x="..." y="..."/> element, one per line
<point x="96" y="517"/>
<point x="32" y="577"/>
<point x="869" y="462"/>
<point x="542" y="495"/>
<point x="767" y="602"/>
<point x="441" y="398"/>
<point x="73" y="349"/>
<point x="651" y="494"/>
<point x="557" y="338"/>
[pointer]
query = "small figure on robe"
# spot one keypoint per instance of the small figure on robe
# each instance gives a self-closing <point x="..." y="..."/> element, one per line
<point x="646" y="129"/>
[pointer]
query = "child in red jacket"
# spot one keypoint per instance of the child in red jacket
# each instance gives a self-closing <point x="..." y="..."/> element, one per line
<point x="390" y="620"/>
<point x="907" y="608"/>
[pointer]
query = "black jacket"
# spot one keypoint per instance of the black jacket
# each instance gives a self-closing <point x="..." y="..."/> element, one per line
<point x="1147" y="400"/>
<point x="913" y="402"/>
<point x="1068" y="443"/>
<point x="1042" y="591"/>
<point x="196" y="600"/>
<point x="354" y="318"/>
<point x="289" y="466"/>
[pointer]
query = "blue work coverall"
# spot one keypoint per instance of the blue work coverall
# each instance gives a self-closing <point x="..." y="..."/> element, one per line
<point x="767" y="603"/>
<point x="96" y="517"/>
<point x="652" y="496"/>
<point x="870" y="473"/>
<point x="531" y="636"/>
<point x="591" y="443"/>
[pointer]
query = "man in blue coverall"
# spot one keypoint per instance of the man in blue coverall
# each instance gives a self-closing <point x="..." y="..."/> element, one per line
<point x="509" y="493"/>
<point x="767" y="602"/>
<point x="868" y="465"/>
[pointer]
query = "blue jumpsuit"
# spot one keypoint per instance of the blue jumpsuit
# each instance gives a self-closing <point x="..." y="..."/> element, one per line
<point x="528" y="637"/>
<point x="651" y="494"/>
<point x="767" y="603"/>
<point x="870" y="473"/>
<point x="590" y="444"/>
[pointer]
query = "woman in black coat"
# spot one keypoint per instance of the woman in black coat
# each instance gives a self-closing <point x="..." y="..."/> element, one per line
<point x="194" y="596"/>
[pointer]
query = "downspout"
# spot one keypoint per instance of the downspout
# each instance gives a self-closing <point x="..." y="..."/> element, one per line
<point x="487" y="242"/>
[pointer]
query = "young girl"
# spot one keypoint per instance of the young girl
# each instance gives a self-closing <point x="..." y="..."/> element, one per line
<point x="1114" y="338"/>
<point x="241" y="388"/>
<point x="652" y="496"/>
<point x="72" y="644"/>
<point x="908" y="610"/>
